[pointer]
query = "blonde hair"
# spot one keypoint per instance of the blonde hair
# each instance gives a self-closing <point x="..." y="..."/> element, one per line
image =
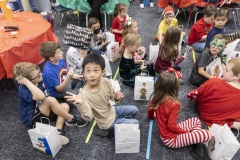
<point x="129" y="39"/>
<point x="119" y="8"/>
<point x="24" y="69"/>
<point x="169" y="47"/>
<point x="127" y="26"/>
<point x="235" y="62"/>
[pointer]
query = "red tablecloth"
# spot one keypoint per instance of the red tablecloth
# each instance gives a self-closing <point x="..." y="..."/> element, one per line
<point x="183" y="3"/>
<point x="33" y="30"/>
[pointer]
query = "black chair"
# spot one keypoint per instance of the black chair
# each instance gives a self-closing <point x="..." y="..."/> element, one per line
<point x="60" y="10"/>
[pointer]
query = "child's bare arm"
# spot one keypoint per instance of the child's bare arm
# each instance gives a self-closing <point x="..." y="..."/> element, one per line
<point x="36" y="92"/>
<point x="204" y="73"/>
<point x="64" y="84"/>
<point x="117" y="31"/>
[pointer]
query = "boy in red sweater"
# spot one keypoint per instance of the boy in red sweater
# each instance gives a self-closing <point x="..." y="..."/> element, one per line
<point x="198" y="33"/>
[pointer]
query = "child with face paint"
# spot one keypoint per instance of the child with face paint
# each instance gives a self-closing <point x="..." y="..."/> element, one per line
<point x="218" y="99"/>
<point x="199" y="75"/>
<point x="98" y="41"/>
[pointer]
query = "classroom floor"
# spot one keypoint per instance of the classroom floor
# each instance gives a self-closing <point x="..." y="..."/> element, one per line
<point x="15" y="142"/>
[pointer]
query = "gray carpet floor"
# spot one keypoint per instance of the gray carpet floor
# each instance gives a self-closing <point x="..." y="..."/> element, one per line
<point x="15" y="142"/>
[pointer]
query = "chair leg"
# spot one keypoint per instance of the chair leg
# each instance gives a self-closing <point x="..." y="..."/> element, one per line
<point x="87" y="20"/>
<point x="105" y="21"/>
<point x="156" y="11"/>
<point x="60" y="22"/>
<point x="161" y="16"/>
<point x="177" y="12"/>
<point x="195" y="19"/>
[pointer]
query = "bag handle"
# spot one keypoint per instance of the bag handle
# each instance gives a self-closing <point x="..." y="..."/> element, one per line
<point x="144" y="71"/>
<point x="120" y="80"/>
<point x="45" y="118"/>
<point x="236" y="127"/>
<point x="127" y="117"/>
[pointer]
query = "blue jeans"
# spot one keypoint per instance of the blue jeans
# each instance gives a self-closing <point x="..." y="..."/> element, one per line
<point x="124" y="114"/>
<point x="199" y="46"/>
<point x="31" y="2"/>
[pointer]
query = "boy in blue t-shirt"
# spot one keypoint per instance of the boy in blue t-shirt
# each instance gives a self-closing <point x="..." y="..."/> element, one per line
<point x="56" y="76"/>
<point x="34" y="103"/>
<point x="220" y="19"/>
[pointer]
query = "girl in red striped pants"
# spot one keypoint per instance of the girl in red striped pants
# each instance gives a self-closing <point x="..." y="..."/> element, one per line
<point x="165" y="106"/>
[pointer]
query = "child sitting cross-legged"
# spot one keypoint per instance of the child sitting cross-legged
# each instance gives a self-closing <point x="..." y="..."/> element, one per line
<point x="93" y="100"/>
<point x="35" y="105"/>
<point x="165" y="107"/>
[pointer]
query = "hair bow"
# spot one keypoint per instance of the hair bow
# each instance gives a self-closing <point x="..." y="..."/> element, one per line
<point x="129" y="21"/>
<point x="177" y="73"/>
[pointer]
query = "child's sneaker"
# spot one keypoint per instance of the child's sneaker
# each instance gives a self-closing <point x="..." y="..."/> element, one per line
<point x="76" y="121"/>
<point x="151" y="4"/>
<point x="141" y="5"/>
<point x="100" y="132"/>
<point x="63" y="139"/>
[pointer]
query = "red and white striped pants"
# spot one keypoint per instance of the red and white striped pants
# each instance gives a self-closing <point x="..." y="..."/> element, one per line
<point x="195" y="134"/>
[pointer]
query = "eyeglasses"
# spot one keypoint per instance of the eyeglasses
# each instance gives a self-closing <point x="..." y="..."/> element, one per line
<point x="216" y="45"/>
<point x="38" y="75"/>
<point x="211" y="143"/>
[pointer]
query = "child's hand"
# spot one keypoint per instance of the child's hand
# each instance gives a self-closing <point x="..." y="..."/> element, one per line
<point x="74" y="98"/>
<point x="78" y="76"/>
<point x="22" y="80"/>
<point x="104" y="43"/>
<point x="70" y="73"/>
<point x="118" y="95"/>
<point x="143" y="67"/>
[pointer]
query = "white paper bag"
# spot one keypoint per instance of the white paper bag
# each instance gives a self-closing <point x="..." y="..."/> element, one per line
<point x="116" y="84"/>
<point x="215" y="68"/>
<point x="231" y="46"/>
<point x="112" y="51"/>
<point x="226" y="144"/>
<point x="143" y="87"/>
<point x="153" y="52"/>
<point x="127" y="138"/>
<point x="45" y="138"/>
<point x="232" y="54"/>
<point x="109" y="36"/>
<point x="108" y="69"/>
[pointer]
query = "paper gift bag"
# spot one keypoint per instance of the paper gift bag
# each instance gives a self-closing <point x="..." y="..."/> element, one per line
<point x="153" y="52"/>
<point x="127" y="138"/>
<point x="215" y="68"/>
<point x="109" y="36"/>
<point x="143" y="87"/>
<point x="108" y="69"/>
<point x="224" y="145"/>
<point x="112" y="51"/>
<point x="45" y="138"/>
<point x="232" y="54"/>
<point x="116" y="84"/>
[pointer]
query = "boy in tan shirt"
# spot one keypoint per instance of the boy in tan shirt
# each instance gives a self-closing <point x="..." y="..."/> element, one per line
<point x="93" y="101"/>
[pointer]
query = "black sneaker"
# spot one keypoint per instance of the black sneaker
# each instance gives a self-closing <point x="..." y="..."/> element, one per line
<point x="100" y="132"/>
<point x="36" y="11"/>
<point x="76" y="121"/>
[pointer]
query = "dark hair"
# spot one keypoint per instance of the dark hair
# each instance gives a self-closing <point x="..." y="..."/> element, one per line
<point x="94" y="58"/>
<point x="209" y="10"/>
<point x="167" y="86"/>
<point x="92" y="21"/>
<point x="48" y="48"/>
<point x="221" y="12"/>
<point x="119" y="7"/>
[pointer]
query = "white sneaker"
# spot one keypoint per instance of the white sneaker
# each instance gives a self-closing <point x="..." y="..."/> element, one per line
<point x="141" y="5"/>
<point x="64" y="140"/>
<point x="151" y="4"/>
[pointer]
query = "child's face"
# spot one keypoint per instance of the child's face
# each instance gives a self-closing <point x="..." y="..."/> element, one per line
<point x="58" y="55"/>
<point x="93" y="74"/>
<point x="168" y="18"/>
<point x="95" y="28"/>
<point x="36" y="76"/>
<point x="217" y="46"/>
<point x="134" y="28"/>
<point x="220" y="21"/>
<point x="208" y="20"/>
<point x="228" y="74"/>
<point x="123" y="13"/>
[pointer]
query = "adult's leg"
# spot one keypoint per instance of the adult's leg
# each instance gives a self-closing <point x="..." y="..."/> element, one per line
<point x="96" y="5"/>
<point x="20" y="5"/>
<point x="32" y="5"/>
